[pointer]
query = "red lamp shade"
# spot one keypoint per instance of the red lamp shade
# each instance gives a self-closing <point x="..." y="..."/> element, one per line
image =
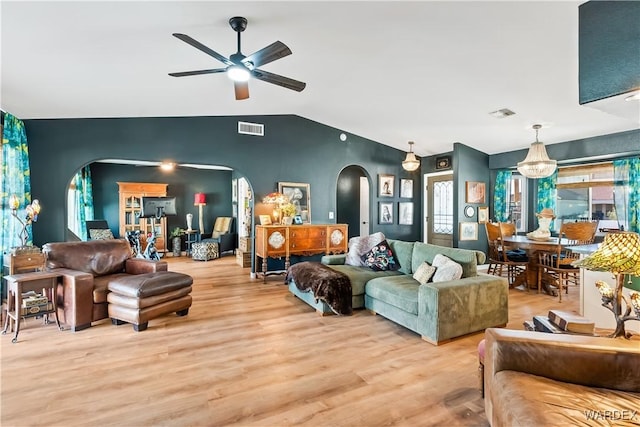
<point x="199" y="199"/>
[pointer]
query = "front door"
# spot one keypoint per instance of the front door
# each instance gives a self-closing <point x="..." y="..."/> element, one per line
<point x="439" y="219"/>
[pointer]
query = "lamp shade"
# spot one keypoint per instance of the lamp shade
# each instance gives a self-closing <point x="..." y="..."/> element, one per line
<point x="199" y="199"/>
<point x="537" y="163"/>
<point x="410" y="162"/>
<point x="275" y="198"/>
<point x="618" y="254"/>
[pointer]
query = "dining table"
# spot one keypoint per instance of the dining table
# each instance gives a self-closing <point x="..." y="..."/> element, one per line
<point x="529" y="278"/>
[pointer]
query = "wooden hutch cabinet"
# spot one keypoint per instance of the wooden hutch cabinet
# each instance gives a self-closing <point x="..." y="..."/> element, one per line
<point x="131" y="194"/>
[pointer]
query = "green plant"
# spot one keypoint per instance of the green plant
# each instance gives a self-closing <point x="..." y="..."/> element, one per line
<point x="176" y="232"/>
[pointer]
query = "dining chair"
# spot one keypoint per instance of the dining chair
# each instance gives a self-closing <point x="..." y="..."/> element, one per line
<point x="513" y="257"/>
<point x="555" y="266"/>
<point x="495" y="249"/>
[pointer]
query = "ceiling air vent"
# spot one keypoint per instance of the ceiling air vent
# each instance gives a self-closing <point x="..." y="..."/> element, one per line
<point x="247" y="128"/>
<point x="502" y="113"/>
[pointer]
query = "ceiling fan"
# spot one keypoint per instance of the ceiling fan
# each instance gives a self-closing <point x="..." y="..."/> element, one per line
<point x="240" y="68"/>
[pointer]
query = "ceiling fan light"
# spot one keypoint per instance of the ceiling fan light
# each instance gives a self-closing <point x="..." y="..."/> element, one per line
<point x="238" y="73"/>
<point x="410" y="162"/>
<point x="537" y="164"/>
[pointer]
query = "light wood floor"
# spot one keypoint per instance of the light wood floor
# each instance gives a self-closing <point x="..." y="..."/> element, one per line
<point x="248" y="353"/>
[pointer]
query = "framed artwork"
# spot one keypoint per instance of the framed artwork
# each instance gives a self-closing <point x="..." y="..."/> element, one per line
<point x="405" y="213"/>
<point x="483" y="214"/>
<point x="386" y="185"/>
<point x="385" y="214"/>
<point x="406" y="188"/>
<point x="265" y="220"/>
<point x="468" y="231"/>
<point x="300" y="195"/>
<point x="443" y="162"/>
<point x="475" y="192"/>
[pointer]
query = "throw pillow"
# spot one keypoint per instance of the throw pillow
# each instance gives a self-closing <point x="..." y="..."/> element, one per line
<point x="446" y="269"/>
<point x="359" y="246"/>
<point x="424" y="272"/>
<point x="380" y="258"/>
<point x="100" y="234"/>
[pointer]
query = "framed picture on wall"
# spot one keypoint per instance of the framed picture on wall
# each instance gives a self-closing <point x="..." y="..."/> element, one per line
<point x="483" y="214"/>
<point x="406" y="188"/>
<point x="300" y="195"/>
<point x="385" y="215"/>
<point x="405" y="213"/>
<point x="475" y="192"/>
<point x="385" y="185"/>
<point x="468" y="231"/>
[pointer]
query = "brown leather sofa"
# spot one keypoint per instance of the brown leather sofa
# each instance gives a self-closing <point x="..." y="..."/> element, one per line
<point x="87" y="268"/>
<point x="541" y="379"/>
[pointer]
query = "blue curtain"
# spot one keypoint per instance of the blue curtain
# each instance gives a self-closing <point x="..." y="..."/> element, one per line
<point x="501" y="196"/>
<point x="14" y="179"/>
<point x="548" y="194"/>
<point x="84" y="200"/>
<point x="626" y="175"/>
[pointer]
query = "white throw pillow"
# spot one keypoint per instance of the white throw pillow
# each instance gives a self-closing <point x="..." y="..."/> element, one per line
<point x="100" y="234"/>
<point x="359" y="246"/>
<point x="446" y="269"/>
<point x="424" y="273"/>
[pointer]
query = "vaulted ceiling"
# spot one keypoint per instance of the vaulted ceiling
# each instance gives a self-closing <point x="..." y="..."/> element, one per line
<point x="391" y="71"/>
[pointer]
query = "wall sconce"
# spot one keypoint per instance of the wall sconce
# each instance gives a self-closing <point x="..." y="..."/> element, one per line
<point x="200" y="201"/>
<point x="410" y="162"/>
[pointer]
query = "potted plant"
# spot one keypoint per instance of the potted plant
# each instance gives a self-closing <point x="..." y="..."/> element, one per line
<point x="288" y="210"/>
<point x="176" y="240"/>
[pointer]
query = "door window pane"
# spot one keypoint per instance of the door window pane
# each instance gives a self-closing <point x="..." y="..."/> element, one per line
<point x="443" y="207"/>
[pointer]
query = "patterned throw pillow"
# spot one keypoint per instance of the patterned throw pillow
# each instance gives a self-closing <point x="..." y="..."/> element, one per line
<point x="100" y="234"/>
<point x="380" y="258"/>
<point x="359" y="246"/>
<point x="424" y="272"/>
<point x="446" y="269"/>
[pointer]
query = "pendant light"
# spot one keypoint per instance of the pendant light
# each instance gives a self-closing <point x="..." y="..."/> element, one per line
<point x="537" y="163"/>
<point x="410" y="163"/>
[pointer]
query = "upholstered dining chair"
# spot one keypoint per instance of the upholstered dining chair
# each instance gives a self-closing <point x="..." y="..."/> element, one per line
<point x="555" y="266"/>
<point x="223" y="235"/>
<point x="514" y="258"/>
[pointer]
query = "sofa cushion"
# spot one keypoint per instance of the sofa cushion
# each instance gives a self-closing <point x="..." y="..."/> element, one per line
<point x="360" y="245"/>
<point x="446" y="269"/>
<point x="96" y="257"/>
<point x="359" y="276"/>
<point x="427" y="252"/>
<point x="101" y="286"/>
<point x="399" y="291"/>
<point x="424" y="273"/>
<point x="381" y="258"/>
<point x="402" y="251"/>
<point x="100" y="234"/>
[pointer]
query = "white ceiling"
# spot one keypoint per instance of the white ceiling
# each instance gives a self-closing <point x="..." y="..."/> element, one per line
<point x="388" y="71"/>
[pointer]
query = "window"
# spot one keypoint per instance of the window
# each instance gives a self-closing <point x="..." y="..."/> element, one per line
<point x="443" y="207"/>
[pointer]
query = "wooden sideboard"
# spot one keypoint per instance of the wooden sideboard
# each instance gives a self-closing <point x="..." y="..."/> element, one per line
<point x="278" y="241"/>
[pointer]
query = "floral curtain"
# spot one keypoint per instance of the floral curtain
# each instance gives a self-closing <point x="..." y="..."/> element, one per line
<point x="14" y="179"/>
<point x="83" y="201"/>
<point x="501" y="196"/>
<point x="626" y="175"/>
<point x="547" y="194"/>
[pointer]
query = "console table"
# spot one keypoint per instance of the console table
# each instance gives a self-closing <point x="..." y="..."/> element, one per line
<point x="278" y="241"/>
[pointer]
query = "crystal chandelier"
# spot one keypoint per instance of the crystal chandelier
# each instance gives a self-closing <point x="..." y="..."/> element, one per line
<point x="537" y="163"/>
<point x="410" y="162"/>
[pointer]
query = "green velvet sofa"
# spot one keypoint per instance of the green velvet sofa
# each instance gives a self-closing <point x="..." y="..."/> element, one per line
<point x="437" y="311"/>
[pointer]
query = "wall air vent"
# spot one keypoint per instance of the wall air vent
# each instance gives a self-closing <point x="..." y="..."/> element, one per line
<point x="247" y="128"/>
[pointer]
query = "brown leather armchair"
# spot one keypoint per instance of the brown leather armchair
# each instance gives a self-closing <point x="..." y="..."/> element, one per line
<point x="87" y="268"/>
<point x="540" y="379"/>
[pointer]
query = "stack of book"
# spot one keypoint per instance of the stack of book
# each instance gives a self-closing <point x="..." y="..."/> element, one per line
<point x="563" y="322"/>
<point x="33" y="303"/>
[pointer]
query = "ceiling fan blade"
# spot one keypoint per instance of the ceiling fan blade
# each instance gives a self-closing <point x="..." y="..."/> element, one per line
<point x="197" y="72"/>
<point x="185" y="38"/>
<point x="242" y="90"/>
<point x="275" y="50"/>
<point x="279" y="80"/>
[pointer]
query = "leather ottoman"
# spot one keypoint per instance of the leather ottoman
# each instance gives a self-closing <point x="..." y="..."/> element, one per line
<point x="140" y="298"/>
<point x="205" y="251"/>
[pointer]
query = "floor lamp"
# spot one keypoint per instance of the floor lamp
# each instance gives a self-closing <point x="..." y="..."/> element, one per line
<point x="200" y="201"/>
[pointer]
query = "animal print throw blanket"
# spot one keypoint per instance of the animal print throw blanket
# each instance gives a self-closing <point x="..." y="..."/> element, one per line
<point x="327" y="284"/>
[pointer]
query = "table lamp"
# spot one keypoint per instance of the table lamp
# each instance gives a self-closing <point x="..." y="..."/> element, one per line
<point x="620" y="255"/>
<point x="200" y="201"/>
<point x="32" y="212"/>
<point x="277" y="199"/>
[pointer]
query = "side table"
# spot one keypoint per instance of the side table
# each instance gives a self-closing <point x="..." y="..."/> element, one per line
<point x="23" y="262"/>
<point x="192" y="236"/>
<point x="44" y="282"/>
